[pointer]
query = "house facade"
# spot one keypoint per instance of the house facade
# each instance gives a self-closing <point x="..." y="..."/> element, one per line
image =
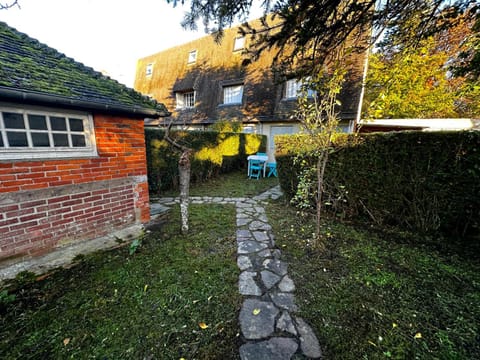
<point x="72" y="153"/>
<point x="205" y="82"/>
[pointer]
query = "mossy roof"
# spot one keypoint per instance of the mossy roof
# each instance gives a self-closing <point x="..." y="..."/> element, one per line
<point x="38" y="71"/>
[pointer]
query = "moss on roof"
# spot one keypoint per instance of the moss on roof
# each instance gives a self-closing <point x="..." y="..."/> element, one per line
<point x="28" y="65"/>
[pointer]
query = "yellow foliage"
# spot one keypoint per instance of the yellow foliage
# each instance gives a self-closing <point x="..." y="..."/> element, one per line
<point x="252" y="143"/>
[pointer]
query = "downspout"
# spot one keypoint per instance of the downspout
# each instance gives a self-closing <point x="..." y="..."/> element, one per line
<point x="362" y="91"/>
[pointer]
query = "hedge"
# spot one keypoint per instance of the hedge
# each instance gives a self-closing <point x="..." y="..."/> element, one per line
<point x="213" y="153"/>
<point x="422" y="181"/>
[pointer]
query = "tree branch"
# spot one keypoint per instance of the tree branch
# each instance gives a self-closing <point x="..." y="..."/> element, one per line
<point x="9" y="5"/>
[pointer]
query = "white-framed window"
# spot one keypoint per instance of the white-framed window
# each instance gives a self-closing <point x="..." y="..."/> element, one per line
<point x="239" y="43"/>
<point x="192" y="56"/>
<point x="30" y="133"/>
<point x="293" y="88"/>
<point x="149" y="70"/>
<point x="185" y="100"/>
<point x="233" y="94"/>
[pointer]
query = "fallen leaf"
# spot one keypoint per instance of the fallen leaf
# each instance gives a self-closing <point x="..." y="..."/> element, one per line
<point x="145" y="288"/>
<point x="418" y="336"/>
<point x="66" y="341"/>
<point x="256" y="311"/>
<point x="202" y="325"/>
<point x="210" y="298"/>
<point x="394" y="325"/>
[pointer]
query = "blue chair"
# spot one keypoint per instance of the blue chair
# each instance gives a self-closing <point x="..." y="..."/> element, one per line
<point x="255" y="169"/>
<point x="272" y="169"/>
<point x="261" y="154"/>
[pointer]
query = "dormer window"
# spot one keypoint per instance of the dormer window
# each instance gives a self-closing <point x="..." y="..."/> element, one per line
<point x="185" y="100"/>
<point x="232" y="94"/>
<point x="149" y="70"/>
<point x="293" y="88"/>
<point x="239" y="43"/>
<point x="192" y="56"/>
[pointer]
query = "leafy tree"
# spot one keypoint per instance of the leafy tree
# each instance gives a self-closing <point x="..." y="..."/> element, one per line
<point x="304" y="32"/>
<point x="408" y="82"/>
<point x="318" y="115"/>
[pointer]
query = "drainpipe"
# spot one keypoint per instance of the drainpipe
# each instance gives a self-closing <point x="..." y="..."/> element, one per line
<point x="362" y="91"/>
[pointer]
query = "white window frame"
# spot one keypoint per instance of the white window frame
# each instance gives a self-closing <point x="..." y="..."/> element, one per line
<point x="293" y="88"/>
<point x="233" y="94"/>
<point x="50" y="152"/>
<point x="192" y="57"/>
<point x="185" y="100"/>
<point x="239" y="43"/>
<point x="149" y="70"/>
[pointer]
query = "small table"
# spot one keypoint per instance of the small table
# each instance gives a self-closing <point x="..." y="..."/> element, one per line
<point x="263" y="158"/>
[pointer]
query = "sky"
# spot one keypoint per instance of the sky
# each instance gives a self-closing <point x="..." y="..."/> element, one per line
<point x="108" y="35"/>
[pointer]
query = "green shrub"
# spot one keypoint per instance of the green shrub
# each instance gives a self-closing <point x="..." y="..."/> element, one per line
<point x="214" y="153"/>
<point x="425" y="182"/>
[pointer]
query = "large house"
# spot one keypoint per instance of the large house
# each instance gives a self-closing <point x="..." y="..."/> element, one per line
<point x="205" y="82"/>
<point x="72" y="155"/>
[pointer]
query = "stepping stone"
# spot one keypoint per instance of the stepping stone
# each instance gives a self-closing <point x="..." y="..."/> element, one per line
<point x="257" y="319"/>
<point x="274" y="349"/>
<point x="265" y="253"/>
<point x="285" y="301"/>
<point x="308" y="341"/>
<point x="285" y="323"/>
<point x="243" y="221"/>
<point x="286" y="285"/>
<point x="244" y="262"/>
<point x="269" y="279"/>
<point x="249" y="247"/>
<point x="247" y="284"/>
<point x="276" y="266"/>
<point x="259" y="225"/>
<point x="243" y="235"/>
<point x="261" y="236"/>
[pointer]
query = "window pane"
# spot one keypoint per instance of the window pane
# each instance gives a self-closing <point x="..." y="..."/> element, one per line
<point x="13" y="121"/>
<point x="37" y="122"/>
<point x="17" y="139"/>
<point x="76" y="124"/>
<point x="78" y="141"/>
<point x="239" y="43"/>
<point x="60" y="140"/>
<point x="58" y="123"/>
<point x="233" y="94"/>
<point x="192" y="56"/>
<point x="189" y="100"/>
<point x="40" y="139"/>
<point x="1" y="141"/>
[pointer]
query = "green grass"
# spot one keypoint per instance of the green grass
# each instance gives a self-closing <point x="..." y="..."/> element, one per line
<point x="148" y="305"/>
<point x="380" y="295"/>
<point x="235" y="184"/>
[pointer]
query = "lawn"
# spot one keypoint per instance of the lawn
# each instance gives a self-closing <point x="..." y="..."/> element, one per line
<point x="369" y="294"/>
<point x="380" y="293"/>
<point x="175" y="296"/>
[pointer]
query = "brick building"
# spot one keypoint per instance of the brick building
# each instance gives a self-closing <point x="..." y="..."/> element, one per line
<point x="72" y="152"/>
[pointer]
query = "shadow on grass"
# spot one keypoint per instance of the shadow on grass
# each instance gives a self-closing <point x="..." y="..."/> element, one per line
<point x="176" y="296"/>
<point x="370" y="296"/>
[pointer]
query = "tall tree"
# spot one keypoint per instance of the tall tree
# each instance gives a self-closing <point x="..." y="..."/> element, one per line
<point x="304" y="32"/>
<point x="406" y="81"/>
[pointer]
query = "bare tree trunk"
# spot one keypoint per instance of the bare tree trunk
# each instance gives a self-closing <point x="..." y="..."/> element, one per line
<point x="184" y="165"/>
<point x="321" y="165"/>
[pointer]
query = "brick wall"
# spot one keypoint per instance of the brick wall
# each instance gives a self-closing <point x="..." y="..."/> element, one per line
<point x="50" y="203"/>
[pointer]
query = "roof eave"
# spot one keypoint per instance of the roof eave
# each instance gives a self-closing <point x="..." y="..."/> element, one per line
<point x="12" y="94"/>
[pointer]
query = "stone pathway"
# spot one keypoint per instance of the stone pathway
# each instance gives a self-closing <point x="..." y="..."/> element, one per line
<point x="268" y="321"/>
